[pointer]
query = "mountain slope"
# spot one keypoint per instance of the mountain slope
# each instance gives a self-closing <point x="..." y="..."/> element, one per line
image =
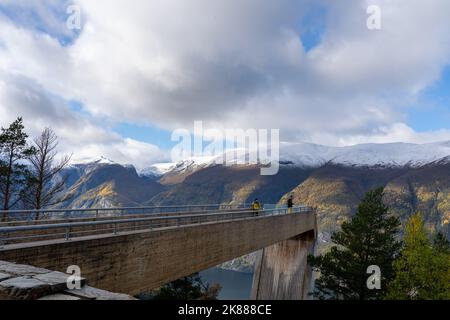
<point x="333" y="180"/>
<point x="425" y="190"/>
<point x="107" y="185"/>
<point x="236" y="184"/>
<point x="336" y="191"/>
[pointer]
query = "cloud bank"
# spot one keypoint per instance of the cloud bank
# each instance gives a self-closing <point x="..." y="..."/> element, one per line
<point x="229" y="63"/>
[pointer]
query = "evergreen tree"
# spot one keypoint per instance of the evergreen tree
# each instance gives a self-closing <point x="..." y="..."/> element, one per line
<point x="13" y="171"/>
<point x="440" y="243"/>
<point x="368" y="239"/>
<point x="422" y="271"/>
<point x="188" y="288"/>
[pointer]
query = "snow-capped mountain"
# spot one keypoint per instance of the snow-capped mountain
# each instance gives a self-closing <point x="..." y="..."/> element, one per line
<point x="94" y="160"/>
<point x="305" y="155"/>
<point x="333" y="179"/>
<point x="189" y="164"/>
<point x="158" y="169"/>
<point x="314" y="156"/>
<point x="385" y="155"/>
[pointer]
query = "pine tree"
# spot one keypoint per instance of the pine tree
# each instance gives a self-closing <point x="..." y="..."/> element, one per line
<point x="368" y="239"/>
<point x="13" y="172"/>
<point x="422" y="270"/>
<point x="440" y="243"/>
<point x="188" y="288"/>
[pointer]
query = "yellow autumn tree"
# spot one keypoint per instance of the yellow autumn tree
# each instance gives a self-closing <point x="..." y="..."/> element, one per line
<point x="422" y="271"/>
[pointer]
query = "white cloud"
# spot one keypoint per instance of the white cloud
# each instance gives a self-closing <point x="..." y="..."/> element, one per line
<point x="242" y="64"/>
<point x="397" y="132"/>
<point x="78" y="135"/>
<point x="233" y="60"/>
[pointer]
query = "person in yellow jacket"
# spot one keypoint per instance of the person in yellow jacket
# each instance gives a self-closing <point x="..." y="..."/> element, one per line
<point x="256" y="206"/>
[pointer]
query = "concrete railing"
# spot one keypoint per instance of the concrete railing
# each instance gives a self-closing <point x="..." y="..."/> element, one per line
<point x="114" y="225"/>
<point x="14" y="216"/>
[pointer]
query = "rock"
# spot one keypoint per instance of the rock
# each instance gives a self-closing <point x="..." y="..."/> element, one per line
<point x="244" y="264"/>
<point x="4" y="276"/>
<point x="91" y="293"/>
<point x="21" y="269"/>
<point x="56" y="280"/>
<point x="59" y="297"/>
<point x="22" y="282"/>
<point x="23" y="288"/>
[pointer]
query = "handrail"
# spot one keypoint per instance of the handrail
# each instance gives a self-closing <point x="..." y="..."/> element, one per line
<point x="133" y="214"/>
<point x="29" y="215"/>
<point x="121" y="208"/>
<point x="122" y="221"/>
<point x="117" y="222"/>
<point x="104" y="222"/>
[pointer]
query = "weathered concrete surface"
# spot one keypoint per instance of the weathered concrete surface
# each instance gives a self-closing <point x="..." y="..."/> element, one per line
<point x="136" y="262"/>
<point x="282" y="272"/>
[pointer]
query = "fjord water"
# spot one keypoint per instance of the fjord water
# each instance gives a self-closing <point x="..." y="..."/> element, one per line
<point x="235" y="285"/>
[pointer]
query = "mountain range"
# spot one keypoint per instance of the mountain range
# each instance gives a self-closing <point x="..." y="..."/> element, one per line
<point x="331" y="179"/>
<point x="313" y="155"/>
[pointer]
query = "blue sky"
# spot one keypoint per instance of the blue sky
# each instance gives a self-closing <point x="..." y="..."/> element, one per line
<point x="156" y="67"/>
<point x="312" y="26"/>
<point x="39" y="17"/>
<point x="146" y="133"/>
<point x="433" y="108"/>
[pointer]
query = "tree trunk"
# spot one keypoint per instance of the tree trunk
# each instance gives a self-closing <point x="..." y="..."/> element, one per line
<point x="6" y="196"/>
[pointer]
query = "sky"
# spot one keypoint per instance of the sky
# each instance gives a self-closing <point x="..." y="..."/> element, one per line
<point x="136" y="71"/>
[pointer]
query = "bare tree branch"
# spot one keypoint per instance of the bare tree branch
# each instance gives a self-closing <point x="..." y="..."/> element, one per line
<point x="45" y="182"/>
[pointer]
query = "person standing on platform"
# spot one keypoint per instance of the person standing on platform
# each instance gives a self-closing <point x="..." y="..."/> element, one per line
<point x="290" y="203"/>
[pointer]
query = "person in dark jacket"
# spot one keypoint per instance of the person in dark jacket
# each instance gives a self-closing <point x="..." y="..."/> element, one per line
<point x="290" y="203"/>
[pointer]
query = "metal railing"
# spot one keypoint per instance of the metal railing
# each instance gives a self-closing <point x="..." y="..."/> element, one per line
<point x="114" y="226"/>
<point x="53" y="214"/>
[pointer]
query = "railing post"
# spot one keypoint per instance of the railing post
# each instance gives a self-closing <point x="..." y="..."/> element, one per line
<point x="115" y="228"/>
<point x="2" y="241"/>
<point x="67" y="235"/>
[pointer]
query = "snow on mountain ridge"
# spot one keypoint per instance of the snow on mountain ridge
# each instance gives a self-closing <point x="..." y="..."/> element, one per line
<point x="392" y="154"/>
<point x="93" y="160"/>
<point x="313" y="155"/>
<point x="157" y="169"/>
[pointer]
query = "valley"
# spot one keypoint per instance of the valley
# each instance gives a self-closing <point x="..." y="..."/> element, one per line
<point x="333" y="188"/>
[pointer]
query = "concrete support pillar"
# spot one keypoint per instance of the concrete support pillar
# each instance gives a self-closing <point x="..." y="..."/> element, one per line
<point x="281" y="270"/>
